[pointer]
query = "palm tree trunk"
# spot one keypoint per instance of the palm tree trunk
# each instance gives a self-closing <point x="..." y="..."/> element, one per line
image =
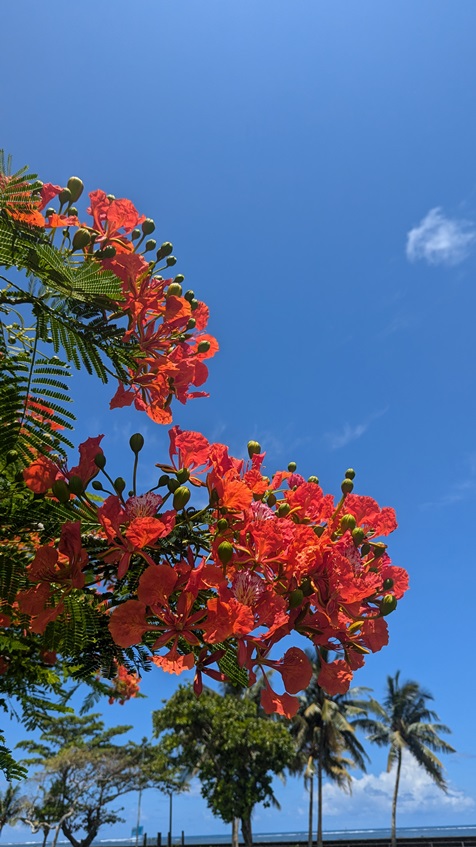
<point x="319" y="800"/>
<point x="394" y="801"/>
<point x="311" y="800"/>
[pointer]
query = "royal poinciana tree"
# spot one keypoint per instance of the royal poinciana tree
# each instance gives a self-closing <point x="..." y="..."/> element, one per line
<point x="102" y="580"/>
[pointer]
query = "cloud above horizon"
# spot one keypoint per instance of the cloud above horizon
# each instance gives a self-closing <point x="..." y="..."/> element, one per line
<point x="440" y="240"/>
<point x="349" y="433"/>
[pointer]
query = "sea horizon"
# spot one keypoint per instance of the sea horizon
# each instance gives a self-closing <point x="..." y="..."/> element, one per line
<point x="371" y="833"/>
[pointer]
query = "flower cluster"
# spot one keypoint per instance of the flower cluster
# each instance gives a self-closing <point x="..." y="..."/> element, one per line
<point x="264" y="559"/>
<point x="165" y="326"/>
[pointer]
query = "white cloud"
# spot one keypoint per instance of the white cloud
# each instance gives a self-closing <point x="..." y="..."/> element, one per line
<point x="350" y="433"/>
<point x="439" y="240"/>
<point x="372" y="795"/>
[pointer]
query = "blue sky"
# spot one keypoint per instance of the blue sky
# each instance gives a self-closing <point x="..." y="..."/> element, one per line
<point x="313" y="164"/>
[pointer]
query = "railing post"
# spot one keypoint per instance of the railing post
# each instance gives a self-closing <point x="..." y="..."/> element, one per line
<point x="159" y="839"/>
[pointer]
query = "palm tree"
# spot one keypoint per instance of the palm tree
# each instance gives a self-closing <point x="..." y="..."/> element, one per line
<point x="405" y="724"/>
<point x="11" y="805"/>
<point x="326" y="742"/>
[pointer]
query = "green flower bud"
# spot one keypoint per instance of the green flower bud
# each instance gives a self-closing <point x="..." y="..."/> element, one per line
<point x="173" y="484"/>
<point x="350" y="473"/>
<point x="172" y="260"/>
<point x="183" y="475"/>
<point x="194" y="304"/>
<point x="358" y="535"/>
<point x="284" y="510"/>
<point x="378" y="549"/>
<point x="65" y="196"/>
<point x="388" y="604"/>
<point x="271" y="499"/>
<point x="203" y="347"/>
<point x="225" y="552"/>
<point x="108" y="252"/>
<point x="191" y="324"/>
<point x="110" y="197"/>
<point x="72" y="211"/>
<point x="165" y="250"/>
<point x="318" y="530"/>
<point x="179" y="278"/>
<point x="150" y="244"/>
<point x="76" y="485"/>
<point x="135" y="234"/>
<point x="148" y="226"/>
<point x="189" y="295"/>
<point x="181" y="497"/>
<point x="100" y="461"/>
<point x="61" y="491"/>
<point x="295" y="598"/>
<point x="119" y="484"/>
<point x="75" y="186"/>
<point x="50" y="211"/>
<point x="346" y="485"/>
<point x="388" y="584"/>
<point x="222" y="525"/>
<point x="97" y="485"/>
<point x="81" y="238"/>
<point x="253" y="447"/>
<point x="174" y="289"/>
<point x="314" y="479"/>
<point x="365" y="549"/>
<point x="292" y="467"/>
<point x="163" y="480"/>
<point x="347" y="522"/>
<point x="136" y="442"/>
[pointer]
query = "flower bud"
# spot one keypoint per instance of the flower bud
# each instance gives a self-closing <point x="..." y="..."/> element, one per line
<point x="347" y="522"/>
<point x="189" y="295"/>
<point x="173" y="484"/>
<point x="225" y="552"/>
<point x="388" y="584"/>
<point x="378" y="549"/>
<point x="81" y="238"/>
<point x="388" y="604"/>
<point x="222" y="525"/>
<point x="365" y="549"/>
<point x="284" y="510"/>
<point x="163" y="480"/>
<point x="136" y="442"/>
<point x="108" y="252"/>
<point x="203" y="347"/>
<point x="171" y="260"/>
<point x="150" y="244"/>
<point x="65" y="196"/>
<point x="191" y="323"/>
<point x="181" y="497"/>
<point x="76" y="485"/>
<point x="148" y="226"/>
<point x="350" y="473"/>
<point x="292" y="467"/>
<point x="183" y="475"/>
<point x="295" y="598"/>
<point x="60" y="490"/>
<point x="100" y="461"/>
<point x="346" y="485"/>
<point x="174" y="289"/>
<point x="135" y="234"/>
<point x="164" y="250"/>
<point x="179" y="278"/>
<point x="50" y="211"/>
<point x="318" y="530"/>
<point x="75" y="186"/>
<point x="194" y="304"/>
<point x="358" y="535"/>
<point x="314" y="479"/>
<point x="119" y="484"/>
<point x="97" y="485"/>
<point x="271" y="499"/>
<point x="72" y="211"/>
<point x="253" y="447"/>
<point x="110" y="197"/>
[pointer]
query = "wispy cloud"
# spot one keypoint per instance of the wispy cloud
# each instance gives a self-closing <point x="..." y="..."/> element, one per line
<point x="372" y="794"/>
<point x="349" y="433"/>
<point x="440" y="240"/>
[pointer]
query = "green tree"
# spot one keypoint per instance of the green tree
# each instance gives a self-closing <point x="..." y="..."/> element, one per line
<point x="233" y="750"/>
<point x="11" y="804"/>
<point x="324" y="732"/>
<point x="404" y="722"/>
<point x="83" y="771"/>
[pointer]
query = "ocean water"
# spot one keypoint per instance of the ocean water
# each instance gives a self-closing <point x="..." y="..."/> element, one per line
<point x="450" y="832"/>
